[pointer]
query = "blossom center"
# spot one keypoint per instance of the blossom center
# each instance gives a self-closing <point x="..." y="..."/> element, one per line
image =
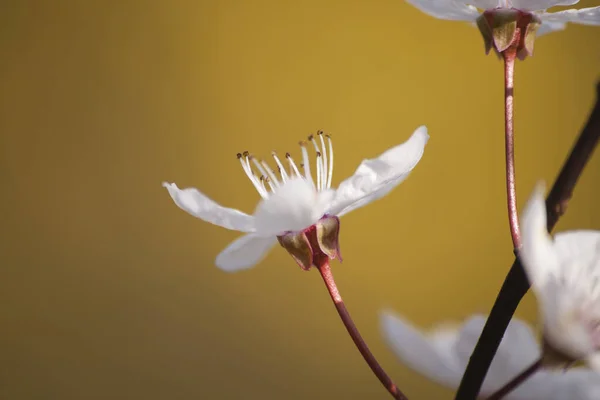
<point x="291" y="199"/>
<point x="293" y="206"/>
<point x="266" y="181"/>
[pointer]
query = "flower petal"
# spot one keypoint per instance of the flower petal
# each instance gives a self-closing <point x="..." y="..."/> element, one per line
<point x="430" y="357"/>
<point x="244" y="252"/>
<point x="294" y="206"/>
<point x="443" y="355"/>
<point x="483" y="4"/>
<point x="537" y="252"/>
<point x="584" y="16"/>
<point x="516" y="352"/>
<point x="579" y="252"/>
<point x="549" y="26"/>
<point x="376" y="177"/>
<point x="446" y="9"/>
<point x="200" y="206"/>
<point x="593" y="361"/>
<point x="535" y="5"/>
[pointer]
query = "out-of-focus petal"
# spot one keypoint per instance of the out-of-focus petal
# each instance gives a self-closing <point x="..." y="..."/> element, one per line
<point x="433" y="359"/>
<point x="584" y="16"/>
<point x="446" y="9"/>
<point x="550" y="26"/>
<point x="535" y="5"/>
<point x="244" y="252"/>
<point x="537" y="251"/>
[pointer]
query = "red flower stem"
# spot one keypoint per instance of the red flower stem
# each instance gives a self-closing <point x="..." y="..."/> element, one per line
<point x="385" y="380"/>
<point x="516" y="381"/>
<point x="510" y="55"/>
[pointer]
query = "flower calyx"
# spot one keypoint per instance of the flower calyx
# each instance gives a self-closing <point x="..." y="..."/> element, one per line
<point x="315" y="244"/>
<point x="508" y="29"/>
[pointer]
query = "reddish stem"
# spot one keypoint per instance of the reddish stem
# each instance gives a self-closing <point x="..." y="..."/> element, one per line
<point x="511" y="192"/>
<point x="516" y="381"/>
<point x="325" y="270"/>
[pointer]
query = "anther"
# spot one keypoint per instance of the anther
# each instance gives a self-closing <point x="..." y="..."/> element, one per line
<point x="311" y="137"/>
<point x="287" y="155"/>
<point x="318" y="154"/>
<point x="239" y="155"/>
<point x="319" y="132"/>
<point x="246" y="153"/>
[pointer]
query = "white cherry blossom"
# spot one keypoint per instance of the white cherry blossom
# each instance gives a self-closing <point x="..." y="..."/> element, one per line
<point x="470" y="10"/>
<point x="442" y="354"/>
<point x="295" y="197"/>
<point x="564" y="272"/>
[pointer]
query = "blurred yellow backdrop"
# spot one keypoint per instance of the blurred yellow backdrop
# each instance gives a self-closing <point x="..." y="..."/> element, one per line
<point x="109" y="291"/>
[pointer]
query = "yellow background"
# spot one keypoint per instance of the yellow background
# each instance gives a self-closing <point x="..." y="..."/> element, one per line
<point x="109" y="291"/>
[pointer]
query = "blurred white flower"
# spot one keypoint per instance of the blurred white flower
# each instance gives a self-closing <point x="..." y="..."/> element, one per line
<point x="443" y="353"/>
<point x="565" y="276"/>
<point x="300" y="212"/>
<point x="511" y="24"/>
<point x="467" y="10"/>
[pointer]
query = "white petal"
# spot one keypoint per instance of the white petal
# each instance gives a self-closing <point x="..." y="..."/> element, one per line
<point x="535" y="5"/>
<point x="244" y="252"/>
<point x="579" y="253"/>
<point x="294" y="206"/>
<point x="549" y="26"/>
<point x="446" y="9"/>
<point x="517" y="351"/>
<point x="585" y="16"/>
<point x="537" y="252"/>
<point x="593" y="361"/>
<point x="432" y="358"/>
<point x="200" y="206"/>
<point x="376" y="177"/>
<point x="575" y="384"/>
<point x="484" y="4"/>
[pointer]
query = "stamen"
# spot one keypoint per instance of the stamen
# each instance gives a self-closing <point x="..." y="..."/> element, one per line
<point x="282" y="172"/>
<point x="259" y="166"/>
<point x="330" y="175"/>
<point x="324" y="171"/>
<point x="292" y="164"/>
<point x="246" y="167"/>
<point x="319" y="172"/>
<point x="270" y="183"/>
<point x="319" y="163"/>
<point x="262" y="183"/>
<point x="306" y="164"/>
<point x="270" y="173"/>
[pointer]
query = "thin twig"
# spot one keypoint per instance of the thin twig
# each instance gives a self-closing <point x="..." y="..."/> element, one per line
<point x="516" y="381"/>
<point x="387" y="382"/>
<point x="511" y="193"/>
<point x="516" y="284"/>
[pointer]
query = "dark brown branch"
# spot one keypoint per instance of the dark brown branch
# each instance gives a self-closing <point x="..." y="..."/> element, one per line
<point x="516" y="285"/>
